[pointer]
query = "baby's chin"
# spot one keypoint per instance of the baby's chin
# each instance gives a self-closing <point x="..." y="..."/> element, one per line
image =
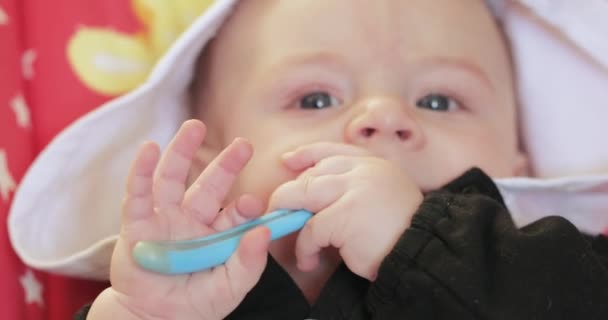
<point x="432" y="184"/>
<point x="438" y="179"/>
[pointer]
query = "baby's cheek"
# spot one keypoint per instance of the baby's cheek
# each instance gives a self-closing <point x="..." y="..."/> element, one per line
<point x="434" y="170"/>
<point x="261" y="177"/>
<point x="494" y="161"/>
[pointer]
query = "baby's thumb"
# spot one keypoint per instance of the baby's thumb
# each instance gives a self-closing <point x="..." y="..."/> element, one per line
<point x="245" y="266"/>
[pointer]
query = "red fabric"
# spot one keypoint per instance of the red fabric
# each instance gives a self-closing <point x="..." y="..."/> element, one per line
<point x="38" y="32"/>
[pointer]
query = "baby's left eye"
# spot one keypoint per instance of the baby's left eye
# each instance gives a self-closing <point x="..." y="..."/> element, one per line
<point x="437" y="102"/>
<point x="318" y="100"/>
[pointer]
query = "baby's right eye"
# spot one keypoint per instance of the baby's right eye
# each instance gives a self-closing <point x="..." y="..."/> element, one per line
<point x="318" y="100"/>
<point x="437" y="102"/>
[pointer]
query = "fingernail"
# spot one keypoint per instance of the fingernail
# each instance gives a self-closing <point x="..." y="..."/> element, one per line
<point x="288" y="155"/>
<point x="240" y="140"/>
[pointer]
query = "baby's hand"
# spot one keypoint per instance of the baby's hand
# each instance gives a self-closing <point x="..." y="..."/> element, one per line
<point x="362" y="203"/>
<point x="157" y="206"/>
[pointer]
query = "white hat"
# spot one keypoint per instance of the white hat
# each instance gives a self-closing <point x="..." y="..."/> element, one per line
<point x="65" y="215"/>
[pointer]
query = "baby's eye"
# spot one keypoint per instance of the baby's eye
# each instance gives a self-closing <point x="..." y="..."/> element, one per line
<point x="437" y="102"/>
<point x="318" y="100"/>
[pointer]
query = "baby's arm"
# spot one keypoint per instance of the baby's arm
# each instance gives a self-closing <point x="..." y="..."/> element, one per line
<point x="158" y="206"/>
<point x="463" y="258"/>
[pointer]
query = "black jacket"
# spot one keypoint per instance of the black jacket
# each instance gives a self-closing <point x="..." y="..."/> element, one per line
<point x="462" y="258"/>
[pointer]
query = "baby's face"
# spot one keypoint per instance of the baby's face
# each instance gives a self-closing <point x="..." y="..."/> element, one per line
<point x="426" y="84"/>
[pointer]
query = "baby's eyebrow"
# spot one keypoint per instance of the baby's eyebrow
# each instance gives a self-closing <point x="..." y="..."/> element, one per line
<point x="326" y="59"/>
<point x="334" y="62"/>
<point x="461" y="64"/>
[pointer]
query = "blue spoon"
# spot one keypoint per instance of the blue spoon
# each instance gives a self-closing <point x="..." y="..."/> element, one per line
<point x="178" y="257"/>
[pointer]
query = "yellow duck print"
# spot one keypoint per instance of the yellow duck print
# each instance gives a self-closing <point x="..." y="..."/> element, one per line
<point x="112" y="63"/>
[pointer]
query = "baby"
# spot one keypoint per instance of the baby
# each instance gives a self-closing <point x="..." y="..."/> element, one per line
<point x="369" y="114"/>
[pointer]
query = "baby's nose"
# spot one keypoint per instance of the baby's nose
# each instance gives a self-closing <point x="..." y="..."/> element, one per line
<point x="384" y="121"/>
<point x="371" y="130"/>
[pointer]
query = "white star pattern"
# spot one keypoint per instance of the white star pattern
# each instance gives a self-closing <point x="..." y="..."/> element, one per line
<point x="32" y="288"/>
<point x="3" y="17"/>
<point x="22" y="112"/>
<point x="27" y="63"/>
<point x="7" y="183"/>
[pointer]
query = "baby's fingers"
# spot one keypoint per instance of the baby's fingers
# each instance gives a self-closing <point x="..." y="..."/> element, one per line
<point x="245" y="208"/>
<point x="205" y="196"/>
<point x="307" y="156"/>
<point x="313" y="193"/>
<point x="242" y="271"/>
<point x="323" y="230"/>
<point x="138" y="202"/>
<point x="172" y="171"/>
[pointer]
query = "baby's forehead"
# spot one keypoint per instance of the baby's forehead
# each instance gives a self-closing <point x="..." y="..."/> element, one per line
<point x="262" y="34"/>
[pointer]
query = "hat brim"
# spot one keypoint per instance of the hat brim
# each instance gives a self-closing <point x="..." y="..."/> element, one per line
<point x="66" y="212"/>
